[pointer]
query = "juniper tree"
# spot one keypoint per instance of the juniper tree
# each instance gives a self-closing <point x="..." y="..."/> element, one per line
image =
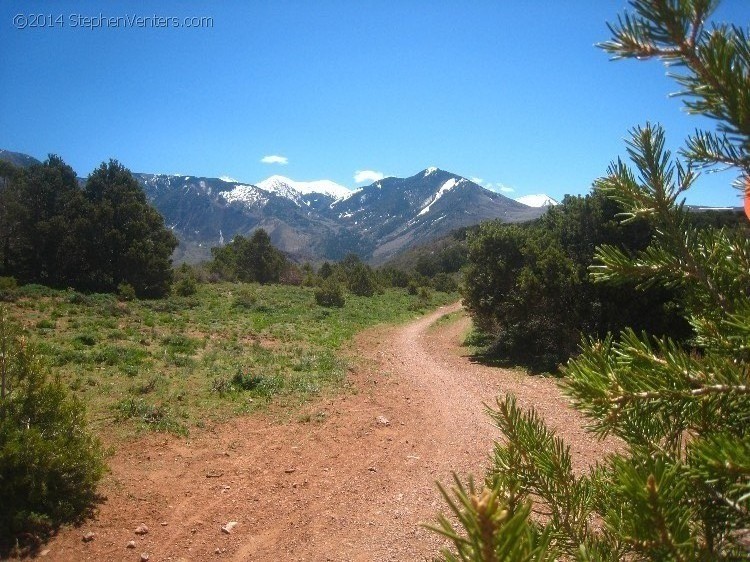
<point x="680" y="489"/>
<point x="50" y="463"/>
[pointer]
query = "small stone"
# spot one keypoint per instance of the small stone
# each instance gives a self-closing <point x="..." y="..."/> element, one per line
<point x="144" y="557"/>
<point x="290" y="470"/>
<point x="88" y="537"/>
<point x="131" y="544"/>
<point x="163" y="523"/>
<point x="372" y="469"/>
<point x="217" y="550"/>
<point x="141" y="529"/>
<point x="45" y="552"/>
<point x="228" y="527"/>
<point x="382" y="420"/>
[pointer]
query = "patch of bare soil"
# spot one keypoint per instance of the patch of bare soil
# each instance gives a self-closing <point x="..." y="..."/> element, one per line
<point x="352" y="483"/>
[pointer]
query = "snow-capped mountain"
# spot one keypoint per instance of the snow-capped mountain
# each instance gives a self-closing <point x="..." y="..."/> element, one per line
<point x="286" y="187"/>
<point x="322" y="220"/>
<point x="538" y="200"/>
<point x="398" y="213"/>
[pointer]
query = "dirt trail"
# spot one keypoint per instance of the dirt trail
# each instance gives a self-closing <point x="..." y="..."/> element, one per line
<point x="354" y="483"/>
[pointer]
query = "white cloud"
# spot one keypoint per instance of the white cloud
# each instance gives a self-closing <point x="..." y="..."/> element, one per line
<point x="228" y="179"/>
<point x="367" y="175"/>
<point x="496" y="187"/>
<point x="274" y="159"/>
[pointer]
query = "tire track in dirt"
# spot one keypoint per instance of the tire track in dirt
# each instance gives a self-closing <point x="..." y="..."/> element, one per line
<point x="345" y="485"/>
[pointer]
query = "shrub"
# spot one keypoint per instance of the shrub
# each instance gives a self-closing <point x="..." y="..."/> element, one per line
<point x="246" y="381"/>
<point x="126" y="292"/>
<point x="245" y="297"/>
<point x="444" y="283"/>
<point x="361" y="281"/>
<point x="423" y="300"/>
<point x="49" y="463"/>
<point x="330" y="294"/>
<point x="291" y="274"/>
<point x="412" y="288"/>
<point x="185" y="287"/>
<point x="8" y="284"/>
<point x="528" y="286"/>
<point x="186" y="283"/>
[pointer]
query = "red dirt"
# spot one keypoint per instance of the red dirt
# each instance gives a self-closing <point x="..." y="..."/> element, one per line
<point x="344" y="485"/>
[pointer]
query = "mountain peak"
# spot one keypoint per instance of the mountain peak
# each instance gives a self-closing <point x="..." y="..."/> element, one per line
<point x="537" y="200"/>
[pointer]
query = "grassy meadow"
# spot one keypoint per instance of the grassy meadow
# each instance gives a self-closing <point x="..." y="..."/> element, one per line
<point x="180" y="363"/>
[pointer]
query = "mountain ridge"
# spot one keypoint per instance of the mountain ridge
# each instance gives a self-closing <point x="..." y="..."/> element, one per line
<point x="321" y="220"/>
<point x="375" y="221"/>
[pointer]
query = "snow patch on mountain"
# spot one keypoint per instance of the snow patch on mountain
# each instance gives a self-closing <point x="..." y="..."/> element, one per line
<point x="537" y="200"/>
<point x="429" y="171"/>
<point x="346" y="197"/>
<point x="445" y="188"/>
<point x="286" y="187"/>
<point x="248" y="195"/>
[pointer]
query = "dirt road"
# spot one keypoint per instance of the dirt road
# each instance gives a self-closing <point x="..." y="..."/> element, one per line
<point x="351" y="482"/>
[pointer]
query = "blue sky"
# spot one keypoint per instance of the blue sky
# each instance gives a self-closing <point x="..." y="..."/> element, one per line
<point x="514" y="93"/>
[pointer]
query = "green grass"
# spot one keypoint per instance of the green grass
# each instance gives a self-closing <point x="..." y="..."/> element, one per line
<point x="182" y="362"/>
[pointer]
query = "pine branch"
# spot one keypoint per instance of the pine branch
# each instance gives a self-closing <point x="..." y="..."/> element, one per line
<point x="493" y="531"/>
<point x="740" y="390"/>
<point x="541" y="467"/>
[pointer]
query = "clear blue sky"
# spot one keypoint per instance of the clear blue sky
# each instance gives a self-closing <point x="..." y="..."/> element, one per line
<point x="514" y="92"/>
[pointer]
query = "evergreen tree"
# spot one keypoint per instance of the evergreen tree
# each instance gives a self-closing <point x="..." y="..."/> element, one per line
<point x="50" y="463"/>
<point x="253" y="259"/>
<point x="262" y="258"/>
<point x="127" y="240"/>
<point x="96" y="238"/>
<point x="39" y="203"/>
<point x="681" y="488"/>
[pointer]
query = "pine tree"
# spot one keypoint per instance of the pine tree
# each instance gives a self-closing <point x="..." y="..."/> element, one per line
<point x="127" y="241"/>
<point x="681" y="488"/>
<point x="251" y="260"/>
<point x="39" y="203"/>
<point x="50" y="463"/>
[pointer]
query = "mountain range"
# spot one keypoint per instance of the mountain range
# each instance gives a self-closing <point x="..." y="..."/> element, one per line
<point x="321" y="220"/>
